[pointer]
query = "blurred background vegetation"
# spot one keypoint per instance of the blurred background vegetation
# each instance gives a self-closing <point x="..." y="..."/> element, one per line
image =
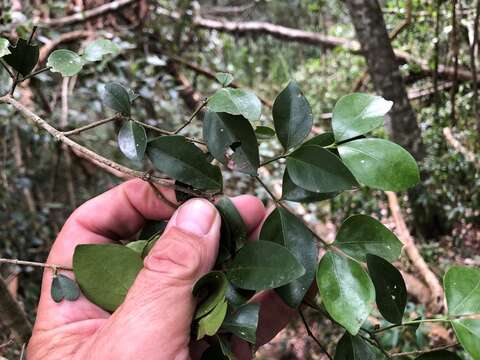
<point x="168" y="59"/>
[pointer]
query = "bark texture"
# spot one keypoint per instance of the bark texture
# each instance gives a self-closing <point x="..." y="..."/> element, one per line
<point x="383" y="69"/>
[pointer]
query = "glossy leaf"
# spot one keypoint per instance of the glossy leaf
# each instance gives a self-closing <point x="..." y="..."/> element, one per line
<point x="65" y="62"/>
<point x="22" y="57"/>
<point x="210" y="323"/>
<point x="462" y="292"/>
<point x="316" y="169"/>
<point x="152" y="228"/>
<point x="137" y="246"/>
<point x="360" y="235"/>
<point x="292" y="116"/>
<point x="224" y="78"/>
<point x="236" y="102"/>
<point x="380" y="164"/>
<point x="64" y="288"/>
<point x="355" y="348"/>
<point x="4" y="44"/>
<point x="346" y="290"/>
<point x="132" y="140"/>
<point x="105" y="272"/>
<point x="287" y="230"/>
<point x="243" y="322"/>
<point x="390" y="289"/>
<point x="254" y="267"/>
<point x="117" y="98"/>
<point x="234" y="230"/>
<point x="293" y="192"/>
<point x="237" y="297"/>
<point x="357" y="114"/>
<point x="323" y="140"/>
<point x="210" y="289"/>
<point x="185" y="162"/>
<point x="97" y="49"/>
<point x="439" y="355"/>
<point x="264" y="132"/>
<point x="231" y="140"/>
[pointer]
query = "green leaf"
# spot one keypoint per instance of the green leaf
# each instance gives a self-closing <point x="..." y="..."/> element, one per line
<point x="64" y="288"/>
<point x="95" y="50"/>
<point x="380" y="164"/>
<point x="226" y="348"/>
<point x="22" y="57"/>
<point x="4" y="44"/>
<point x="292" y="116"/>
<point x="137" y="246"/>
<point x="210" y="288"/>
<point x="316" y="169"/>
<point x="117" y="98"/>
<point x="223" y="78"/>
<point x="183" y="161"/>
<point x="357" y="114"/>
<point x="234" y="230"/>
<point x="65" y="62"/>
<point x="132" y="140"/>
<point x="152" y="228"/>
<point x="254" y="267"/>
<point x="439" y="355"/>
<point x="287" y="230"/>
<point x="360" y="235"/>
<point x="105" y="272"/>
<point x="322" y="140"/>
<point x="236" y="102"/>
<point x="210" y="323"/>
<point x="390" y="289"/>
<point x="264" y="132"/>
<point x="231" y="140"/>
<point x="293" y="192"/>
<point x="355" y="348"/>
<point x="243" y="322"/>
<point x="237" y="297"/>
<point x="346" y="290"/>
<point x="462" y="292"/>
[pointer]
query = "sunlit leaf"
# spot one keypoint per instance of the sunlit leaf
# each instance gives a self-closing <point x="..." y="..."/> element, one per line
<point x="4" y="44"/>
<point x="357" y="114"/>
<point x="223" y="78"/>
<point x="210" y="323"/>
<point x="380" y="164"/>
<point x="132" y="140"/>
<point x="137" y="246"/>
<point x="346" y="289"/>
<point x="65" y="62"/>
<point x="95" y="50"/>
<point x="236" y="102"/>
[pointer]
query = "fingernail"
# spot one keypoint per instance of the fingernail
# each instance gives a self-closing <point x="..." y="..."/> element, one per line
<point x="196" y="216"/>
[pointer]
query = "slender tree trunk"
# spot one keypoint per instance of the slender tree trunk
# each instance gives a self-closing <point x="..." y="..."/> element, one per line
<point x="13" y="316"/>
<point x="383" y="69"/>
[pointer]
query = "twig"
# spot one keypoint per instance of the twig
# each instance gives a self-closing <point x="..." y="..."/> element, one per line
<point x="35" y="73"/>
<point x="66" y="37"/>
<point x="420" y="352"/>
<point x="309" y="332"/>
<point x="190" y="119"/>
<point x="34" y="263"/>
<point x="414" y="255"/>
<point x="409" y="323"/>
<point x="457" y="145"/>
<point x="22" y="354"/>
<point x="8" y="343"/>
<point x="92" y="125"/>
<point x="88" y="14"/>
<point x="273" y="159"/>
<point x="269" y="192"/>
<point x="166" y="132"/>
<point x="90" y="155"/>
<point x="455" y="49"/>
<point x="4" y="64"/>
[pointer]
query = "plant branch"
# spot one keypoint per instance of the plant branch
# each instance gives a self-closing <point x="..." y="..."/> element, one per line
<point x="309" y="332"/>
<point x="90" y="155"/>
<point x="273" y="159"/>
<point x="421" y="352"/>
<point x="35" y="73"/>
<point x="269" y="192"/>
<point x="34" y="263"/>
<point x="5" y="66"/>
<point x="190" y="119"/>
<point x="166" y="132"/>
<point x="92" y="125"/>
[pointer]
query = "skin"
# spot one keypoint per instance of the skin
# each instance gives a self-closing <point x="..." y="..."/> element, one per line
<point x="154" y="321"/>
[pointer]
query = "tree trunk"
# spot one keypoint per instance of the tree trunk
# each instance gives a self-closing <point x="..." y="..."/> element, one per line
<point x="383" y="69"/>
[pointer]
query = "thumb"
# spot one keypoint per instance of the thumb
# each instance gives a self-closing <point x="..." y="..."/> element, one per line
<point x="159" y="307"/>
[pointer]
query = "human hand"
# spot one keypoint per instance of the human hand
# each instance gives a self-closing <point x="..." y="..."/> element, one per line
<point x="154" y="321"/>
